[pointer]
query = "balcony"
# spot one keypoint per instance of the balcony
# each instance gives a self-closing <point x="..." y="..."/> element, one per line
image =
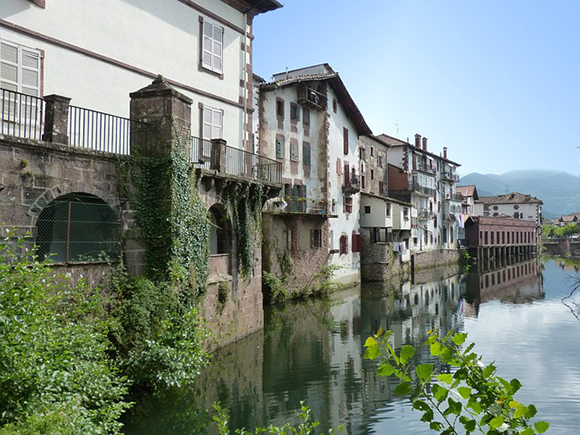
<point x="300" y="205"/>
<point x="351" y="183"/>
<point x="53" y="119"/>
<point x="215" y="155"/>
<point x="423" y="190"/>
<point x="425" y="215"/>
<point x="310" y="97"/>
<point x="450" y="176"/>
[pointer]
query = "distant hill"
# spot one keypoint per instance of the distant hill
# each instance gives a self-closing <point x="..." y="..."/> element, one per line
<point x="559" y="191"/>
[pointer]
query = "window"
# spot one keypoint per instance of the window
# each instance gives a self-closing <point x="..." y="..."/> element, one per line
<point x="362" y="153"/>
<point x="355" y="242"/>
<point x="294" y="152"/>
<point x="381" y="188"/>
<point x="343" y="245"/>
<point x="19" y="69"/>
<point x="212" y="123"/>
<point x="367" y="209"/>
<point x="347" y="201"/>
<point x="294" y="112"/>
<point x="306" y="116"/>
<point x="388" y="210"/>
<point x="380" y="161"/>
<point x="378" y="235"/>
<point x="405" y="213"/>
<point x="306" y="158"/>
<point x="372" y="151"/>
<point x="334" y="105"/>
<point x="315" y="239"/>
<point x="345" y="140"/>
<point x="372" y="174"/>
<point x="212" y="47"/>
<point x="280" y="108"/>
<point x="279" y="148"/>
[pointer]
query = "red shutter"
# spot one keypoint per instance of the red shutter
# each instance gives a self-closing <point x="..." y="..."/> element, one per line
<point x="345" y="140"/>
<point x="346" y="175"/>
<point x="338" y="167"/>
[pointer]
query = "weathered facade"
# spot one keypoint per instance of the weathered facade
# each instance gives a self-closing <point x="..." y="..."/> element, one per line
<point x="310" y="124"/>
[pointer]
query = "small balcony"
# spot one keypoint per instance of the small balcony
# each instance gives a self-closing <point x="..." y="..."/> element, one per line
<point x="300" y="205"/>
<point x="311" y="98"/>
<point x="450" y="176"/>
<point x="215" y="155"/>
<point x="422" y="190"/>
<point x="351" y="184"/>
<point x="425" y="215"/>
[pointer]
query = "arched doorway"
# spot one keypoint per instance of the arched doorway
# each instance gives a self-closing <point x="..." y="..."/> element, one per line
<point x="77" y="227"/>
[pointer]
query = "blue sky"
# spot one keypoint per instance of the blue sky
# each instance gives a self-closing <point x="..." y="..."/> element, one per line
<point x="497" y="82"/>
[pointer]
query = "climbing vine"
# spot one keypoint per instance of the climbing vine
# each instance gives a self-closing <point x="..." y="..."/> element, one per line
<point x="245" y="204"/>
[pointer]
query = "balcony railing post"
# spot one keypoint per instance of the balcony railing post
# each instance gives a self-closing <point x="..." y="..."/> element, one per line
<point x="56" y="119"/>
<point x="218" y="155"/>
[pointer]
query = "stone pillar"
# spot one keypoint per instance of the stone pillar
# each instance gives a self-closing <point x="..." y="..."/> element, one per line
<point x="160" y="119"/>
<point x="218" y="155"/>
<point x="56" y="119"/>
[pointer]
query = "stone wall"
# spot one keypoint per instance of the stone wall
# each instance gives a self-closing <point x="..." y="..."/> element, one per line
<point x="379" y="262"/>
<point x="429" y="259"/>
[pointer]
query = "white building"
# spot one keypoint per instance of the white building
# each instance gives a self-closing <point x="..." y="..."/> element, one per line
<point x="309" y="123"/>
<point x="514" y="205"/>
<point x="428" y="181"/>
<point x="98" y="52"/>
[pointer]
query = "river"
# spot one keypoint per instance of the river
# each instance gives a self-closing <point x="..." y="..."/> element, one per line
<point x="521" y="316"/>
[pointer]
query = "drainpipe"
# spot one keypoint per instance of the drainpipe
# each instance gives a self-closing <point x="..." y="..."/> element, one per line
<point x="244" y="79"/>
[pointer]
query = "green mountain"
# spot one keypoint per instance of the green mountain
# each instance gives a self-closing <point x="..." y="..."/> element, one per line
<point x="559" y="191"/>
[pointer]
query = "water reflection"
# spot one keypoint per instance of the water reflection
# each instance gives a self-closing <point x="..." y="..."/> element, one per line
<point x="313" y="352"/>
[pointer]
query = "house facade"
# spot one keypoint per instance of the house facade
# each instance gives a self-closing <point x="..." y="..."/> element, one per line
<point x="310" y="124"/>
<point x="514" y="205"/>
<point x="385" y="222"/>
<point x="96" y="53"/>
<point x="427" y="181"/>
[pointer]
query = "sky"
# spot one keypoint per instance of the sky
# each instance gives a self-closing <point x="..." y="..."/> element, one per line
<point x="495" y="81"/>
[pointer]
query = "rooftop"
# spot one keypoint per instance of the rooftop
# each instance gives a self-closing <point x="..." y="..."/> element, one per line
<point x="510" y="198"/>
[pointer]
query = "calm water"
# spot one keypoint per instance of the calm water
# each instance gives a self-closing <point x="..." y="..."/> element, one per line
<point x="518" y="316"/>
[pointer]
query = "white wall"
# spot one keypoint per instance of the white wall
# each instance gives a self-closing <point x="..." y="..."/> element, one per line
<point x="150" y="35"/>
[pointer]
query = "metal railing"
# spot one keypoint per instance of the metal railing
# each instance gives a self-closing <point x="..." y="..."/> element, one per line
<point x="415" y="186"/>
<point x="296" y="204"/>
<point x="231" y="161"/>
<point x="21" y="115"/>
<point x="98" y="131"/>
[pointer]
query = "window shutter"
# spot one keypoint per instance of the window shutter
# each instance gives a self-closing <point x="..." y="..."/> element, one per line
<point x="345" y="245"/>
<point x="212" y="47"/>
<point x="345" y="140"/>
<point x="338" y="167"/>
<point x="279" y="150"/>
<point x="346" y="175"/>
<point x="218" y="33"/>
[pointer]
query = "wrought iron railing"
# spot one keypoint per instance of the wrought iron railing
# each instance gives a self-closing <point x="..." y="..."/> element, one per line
<point x="98" y="131"/>
<point x="216" y="155"/>
<point x="21" y="115"/>
<point x="296" y="204"/>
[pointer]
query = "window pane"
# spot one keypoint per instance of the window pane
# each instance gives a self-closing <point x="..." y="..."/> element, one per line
<point x="207" y="29"/>
<point x="9" y="53"/>
<point x="29" y="59"/>
<point x="29" y="77"/>
<point x="9" y="72"/>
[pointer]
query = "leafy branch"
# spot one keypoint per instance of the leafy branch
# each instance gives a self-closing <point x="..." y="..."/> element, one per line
<point x="472" y="396"/>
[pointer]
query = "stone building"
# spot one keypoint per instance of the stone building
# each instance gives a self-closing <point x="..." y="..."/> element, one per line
<point x="427" y="181"/>
<point x="311" y="125"/>
<point x="57" y="155"/>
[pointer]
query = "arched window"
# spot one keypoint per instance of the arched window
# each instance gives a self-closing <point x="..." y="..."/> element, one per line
<point x="77" y="227"/>
<point x="221" y="231"/>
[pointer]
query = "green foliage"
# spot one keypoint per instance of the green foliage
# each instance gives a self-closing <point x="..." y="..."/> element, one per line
<point x="305" y="427"/>
<point x="550" y="231"/>
<point x="174" y="223"/>
<point x="247" y="217"/>
<point x="465" y="260"/>
<point x="273" y="288"/>
<point x="473" y="396"/>
<point x="55" y="374"/>
<point x="321" y="284"/>
<point x="159" y="335"/>
<point x="224" y="291"/>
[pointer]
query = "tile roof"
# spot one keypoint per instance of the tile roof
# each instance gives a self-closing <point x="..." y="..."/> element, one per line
<point x="467" y="191"/>
<point x="510" y="198"/>
<point x="394" y="142"/>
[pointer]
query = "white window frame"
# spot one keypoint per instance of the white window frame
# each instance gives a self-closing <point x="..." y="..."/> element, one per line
<point x="212" y="119"/>
<point x="212" y="47"/>
<point x="29" y="108"/>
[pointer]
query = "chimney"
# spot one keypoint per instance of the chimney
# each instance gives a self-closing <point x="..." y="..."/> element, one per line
<point x="417" y="141"/>
<point x="424" y="144"/>
<point x="444" y="152"/>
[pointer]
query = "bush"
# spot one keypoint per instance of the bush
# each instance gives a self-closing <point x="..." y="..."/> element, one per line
<point x="159" y="334"/>
<point x="55" y="375"/>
